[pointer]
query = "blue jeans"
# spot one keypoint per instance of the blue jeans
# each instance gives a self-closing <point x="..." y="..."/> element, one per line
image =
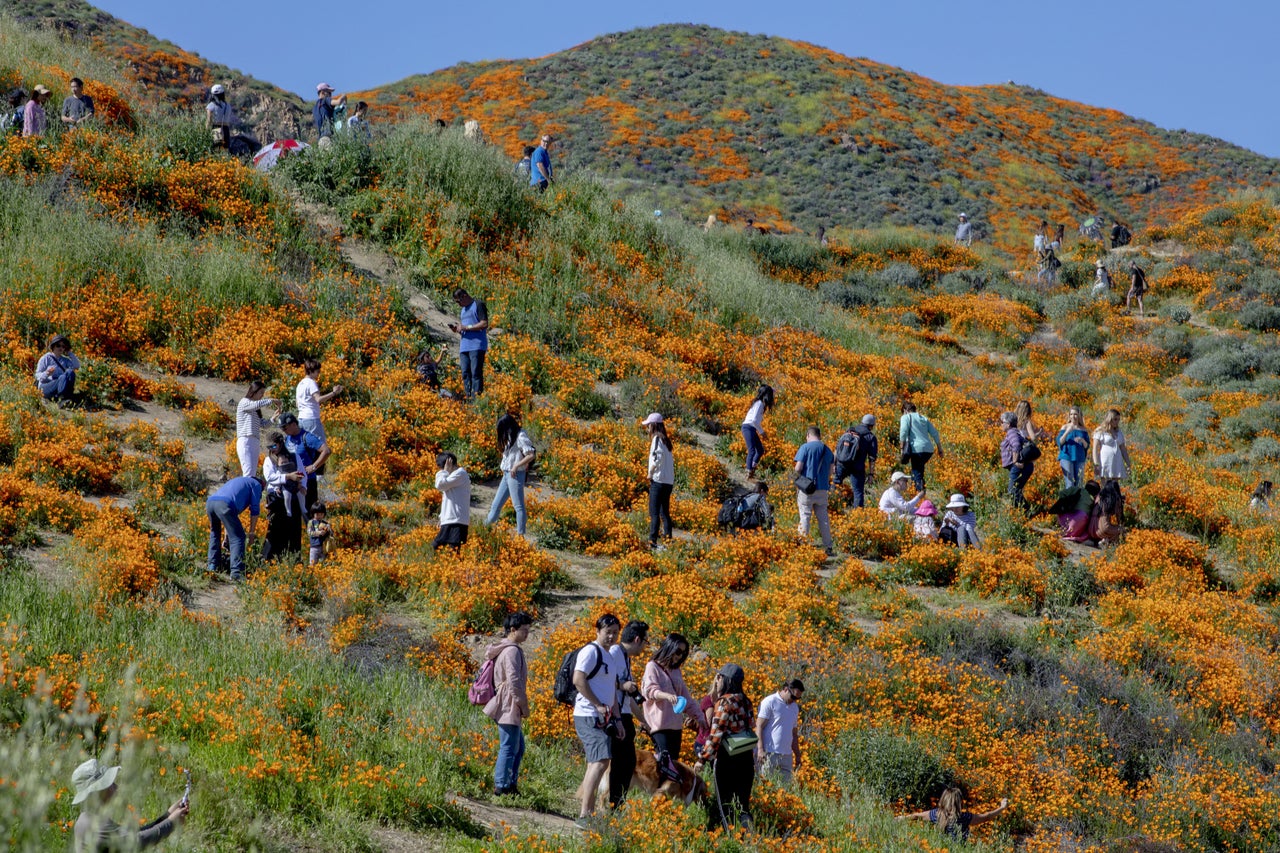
<point x="755" y="447"/>
<point x="60" y="388"/>
<point x="222" y="517"/>
<point x="510" y="750"/>
<point x="1072" y="472"/>
<point x="472" y="364"/>
<point x="859" y="480"/>
<point x="312" y="426"/>
<point x="1018" y="477"/>
<point x="512" y="486"/>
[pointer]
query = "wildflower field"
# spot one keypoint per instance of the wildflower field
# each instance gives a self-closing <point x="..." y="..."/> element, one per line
<point x="1118" y="698"/>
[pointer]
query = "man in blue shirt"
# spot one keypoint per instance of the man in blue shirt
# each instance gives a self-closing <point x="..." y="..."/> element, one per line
<point x="540" y="175"/>
<point x="224" y="507"/>
<point x="814" y="460"/>
<point x="473" y="327"/>
<point x="313" y="450"/>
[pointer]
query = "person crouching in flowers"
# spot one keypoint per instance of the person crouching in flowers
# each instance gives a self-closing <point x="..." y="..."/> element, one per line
<point x="925" y="522"/>
<point x="951" y="819"/>
<point x="319" y="533"/>
<point x="510" y="703"/>
<point x="95" y="786"/>
<point x="731" y="744"/>
<point x="56" y="372"/>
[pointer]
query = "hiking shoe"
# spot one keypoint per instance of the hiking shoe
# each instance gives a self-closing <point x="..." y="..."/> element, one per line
<point x="831" y="552"/>
<point x="237" y="577"/>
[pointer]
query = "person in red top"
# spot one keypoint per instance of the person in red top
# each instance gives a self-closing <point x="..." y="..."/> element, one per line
<point x="735" y="774"/>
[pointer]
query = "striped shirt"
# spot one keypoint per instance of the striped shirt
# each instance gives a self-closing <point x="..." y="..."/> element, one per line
<point x="249" y="417"/>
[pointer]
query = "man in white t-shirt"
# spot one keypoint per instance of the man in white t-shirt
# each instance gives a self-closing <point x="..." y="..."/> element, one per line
<point x="777" y="726"/>
<point x="595" y="709"/>
<point x="308" y="397"/>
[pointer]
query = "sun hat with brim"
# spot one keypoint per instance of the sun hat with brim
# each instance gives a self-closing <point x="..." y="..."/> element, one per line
<point x="898" y="475"/>
<point x="58" y="339"/>
<point x="323" y="87"/>
<point x="926" y="508"/>
<point x="92" y="776"/>
<point x="654" y="418"/>
<point x="957" y="501"/>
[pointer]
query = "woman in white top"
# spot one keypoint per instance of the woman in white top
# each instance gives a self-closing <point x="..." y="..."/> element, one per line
<point x="518" y="454"/>
<point x="753" y="427"/>
<point x="249" y="426"/>
<point x="1101" y="280"/>
<point x="662" y="478"/>
<point x="308" y="397"/>
<point x="454" y="484"/>
<point x="1260" y="501"/>
<point x="1110" y="452"/>
<point x="892" y="503"/>
<point x="285" y="474"/>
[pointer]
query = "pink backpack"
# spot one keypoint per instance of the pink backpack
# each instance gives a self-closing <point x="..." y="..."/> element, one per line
<point x="482" y="689"/>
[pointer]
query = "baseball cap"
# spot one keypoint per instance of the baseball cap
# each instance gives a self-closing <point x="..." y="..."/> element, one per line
<point x="654" y="418"/>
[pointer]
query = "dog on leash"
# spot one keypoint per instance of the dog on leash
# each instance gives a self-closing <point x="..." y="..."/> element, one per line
<point x="688" y="789"/>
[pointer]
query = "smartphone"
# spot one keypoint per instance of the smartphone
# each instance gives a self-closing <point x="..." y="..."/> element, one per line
<point x="186" y="795"/>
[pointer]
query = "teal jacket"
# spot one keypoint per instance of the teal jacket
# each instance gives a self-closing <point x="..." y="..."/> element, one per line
<point x="917" y="434"/>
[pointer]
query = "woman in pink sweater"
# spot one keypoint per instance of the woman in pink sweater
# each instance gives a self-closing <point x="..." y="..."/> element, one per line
<point x="668" y="700"/>
<point x="510" y="703"/>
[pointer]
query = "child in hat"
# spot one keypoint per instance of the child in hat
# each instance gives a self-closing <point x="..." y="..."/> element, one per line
<point x="925" y="522"/>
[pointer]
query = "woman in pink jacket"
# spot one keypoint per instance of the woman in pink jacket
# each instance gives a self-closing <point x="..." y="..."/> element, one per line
<point x="668" y="700"/>
<point x="510" y="703"/>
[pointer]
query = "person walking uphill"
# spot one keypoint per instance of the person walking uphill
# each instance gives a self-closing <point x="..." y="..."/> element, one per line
<point x="56" y="372"/>
<point x="813" y="484"/>
<point x="856" y="455"/>
<point x="540" y="171"/>
<point x="1014" y="459"/>
<point x="473" y="327"/>
<point x="518" y="454"/>
<point x="778" y="727"/>
<point x="223" y="508"/>
<point x="753" y="427"/>
<point x="662" y="478"/>
<point x="595" y="677"/>
<point x="95" y="832"/>
<point x="510" y="703"/>
<point x="731" y="745"/>
<point x="919" y="438"/>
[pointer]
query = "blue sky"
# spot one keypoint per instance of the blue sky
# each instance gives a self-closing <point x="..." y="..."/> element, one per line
<point x="1206" y="67"/>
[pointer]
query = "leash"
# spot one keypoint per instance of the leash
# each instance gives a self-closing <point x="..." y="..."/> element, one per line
<point x="715" y="786"/>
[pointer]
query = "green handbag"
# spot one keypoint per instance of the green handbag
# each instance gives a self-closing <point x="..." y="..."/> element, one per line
<point x="739" y="742"/>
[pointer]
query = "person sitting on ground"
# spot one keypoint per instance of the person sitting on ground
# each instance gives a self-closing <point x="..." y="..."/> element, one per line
<point x="95" y="787"/>
<point x="1106" y="522"/>
<point x="219" y="117"/>
<point x="892" y="502"/>
<point x="960" y="525"/>
<point x="1101" y="280"/>
<point x="1260" y="501"/>
<point x="951" y="819"/>
<point x="319" y="534"/>
<point x="56" y="372"/>
<point x="427" y="366"/>
<point x="454" y="484"/>
<point x="925" y="521"/>
<point x="77" y="108"/>
<point x="1137" y="287"/>
<point x="1074" y="511"/>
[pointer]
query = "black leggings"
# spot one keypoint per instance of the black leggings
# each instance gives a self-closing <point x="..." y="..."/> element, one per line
<point x="668" y="739"/>
<point x="659" y="510"/>
<point x="623" y="765"/>
<point x="734" y="776"/>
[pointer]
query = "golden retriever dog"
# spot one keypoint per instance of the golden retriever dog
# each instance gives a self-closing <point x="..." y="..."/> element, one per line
<point x="689" y="789"/>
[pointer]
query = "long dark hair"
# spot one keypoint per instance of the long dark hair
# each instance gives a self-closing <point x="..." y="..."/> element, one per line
<point x="670" y="655"/>
<point x="660" y="429"/>
<point x="1263" y="491"/>
<point x="764" y="394"/>
<point x="1110" y="499"/>
<point x="733" y="685"/>
<point x="508" y="429"/>
<point x="254" y="387"/>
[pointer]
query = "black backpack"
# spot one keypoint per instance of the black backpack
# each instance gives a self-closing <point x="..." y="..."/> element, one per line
<point x="563" y="689"/>
<point x="728" y="512"/>
<point x="847" y="448"/>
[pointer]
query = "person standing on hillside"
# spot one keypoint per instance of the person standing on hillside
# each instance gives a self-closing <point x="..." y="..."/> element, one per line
<point x="358" y="123"/>
<point x="510" y="703"/>
<point x="863" y="466"/>
<point x="964" y="231"/>
<point x="662" y="478"/>
<point x="1101" y="280"/>
<point x="1110" y="452"/>
<point x="918" y="438"/>
<point x="473" y="327"/>
<point x="524" y="166"/>
<point x="283" y="472"/>
<point x="95" y="787"/>
<point x="778" y="727"/>
<point x="77" y="108"/>
<point x="813" y="461"/>
<point x="1011" y="458"/>
<point x="753" y="427"/>
<point x="311" y="449"/>
<point x="1073" y="448"/>
<point x="322" y="113"/>
<point x="308" y="398"/>
<point x="518" y="454"/>
<point x="454" y="484"/>
<point x="11" y="120"/>
<point x="622" y="766"/>
<point x="249" y="426"/>
<point x="540" y="172"/>
<point x="34" y="121"/>
<point x="595" y="708"/>
<point x="1137" y="287"/>
<point x="219" y="117"/>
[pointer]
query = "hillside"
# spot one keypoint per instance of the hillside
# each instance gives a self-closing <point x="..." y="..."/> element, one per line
<point x="167" y="75"/>
<point x="1124" y="698"/>
<point x="698" y="120"/>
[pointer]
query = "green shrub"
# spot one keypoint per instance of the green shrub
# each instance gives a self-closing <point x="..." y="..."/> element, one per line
<point x="1234" y="361"/>
<point x="850" y="294"/>
<point x="1174" y="340"/>
<point x="901" y="274"/>
<point x="893" y="767"/>
<point x="1087" y="338"/>
<point x="1179" y="314"/>
<point x="1259" y="316"/>
<point x="1071" y="583"/>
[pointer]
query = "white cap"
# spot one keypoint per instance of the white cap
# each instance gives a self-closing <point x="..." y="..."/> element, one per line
<point x="654" y="418"/>
<point x="964" y="216"/>
<point x="898" y="475"/>
<point x="218" y="89"/>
